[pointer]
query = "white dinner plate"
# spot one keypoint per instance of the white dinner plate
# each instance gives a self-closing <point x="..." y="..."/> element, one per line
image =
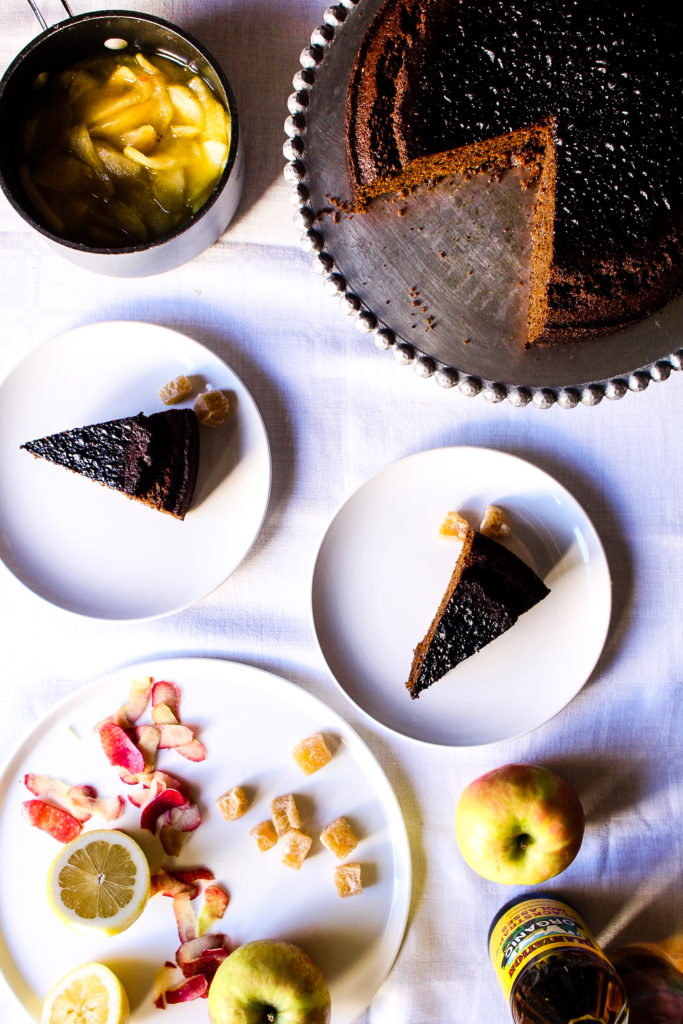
<point x="89" y="549"/>
<point x="382" y="570"/>
<point x="249" y="720"/>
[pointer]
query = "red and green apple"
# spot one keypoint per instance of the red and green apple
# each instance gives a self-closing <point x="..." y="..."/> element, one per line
<point x="268" y="981"/>
<point x="519" y="824"/>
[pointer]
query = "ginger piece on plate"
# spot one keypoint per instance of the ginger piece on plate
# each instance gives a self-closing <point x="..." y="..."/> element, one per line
<point x="176" y="390"/>
<point x="455" y="527"/>
<point x="211" y="408"/>
<point x="347" y="880"/>
<point x="296" y="846"/>
<point x="265" y="835"/>
<point x="285" y="814"/>
<point x="233" y="803"/>
<point x="495" y="522"/>
<point x="311" y="754"/>
<point x="338" y="837"/>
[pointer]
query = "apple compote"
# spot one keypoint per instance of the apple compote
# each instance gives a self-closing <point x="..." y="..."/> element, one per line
<point x="121" y="149"/>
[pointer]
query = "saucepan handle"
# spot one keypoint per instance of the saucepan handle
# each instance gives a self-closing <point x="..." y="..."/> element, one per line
<point x="36" y="10"/>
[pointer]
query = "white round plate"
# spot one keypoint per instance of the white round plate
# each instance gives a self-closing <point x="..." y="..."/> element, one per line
<point x="382" y="570"/>
<point x="89" y="549"/>
<point x="249" y="720"/>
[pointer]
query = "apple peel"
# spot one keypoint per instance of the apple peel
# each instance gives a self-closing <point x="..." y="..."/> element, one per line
<point x="57" y="822"/>
<point x="192" y="751"/>
<point x="186" y="919"/>
<point x="172" y="840"/>
<point x="191" y="988"/>
<point x="134" y="707"/>
<point x="162" y="715"/>
<point x="120" y="750"/>
<point x="202" y="955"/>
<point x="51" y="788"/>
<point x="174" y="736"/>
<point x="166" y="693"/>
<point x="80" y="801"/>
<point x="167" y="883"/>
<point x="147" y="740"/>
<point x="184" y="817"/>
<point x="216" y="900"/>
<point x="160" y="804"/>
<point x="86" y="800"/>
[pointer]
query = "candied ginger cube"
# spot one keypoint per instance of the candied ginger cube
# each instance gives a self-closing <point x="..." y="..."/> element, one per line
<point x="347" y="880"/>
<point x="285" y="814"/>
<point x="454" y="526"/>
<point x="495" y="522"/>
<point x="176" y="389"/>
<point x="338" y="837"/>
<point x="211" y="408"/>
<point x="297" y="845"/>
<point x="265" y="835"/>
<point x="311" y="754"/>
<point x="233" y="803"/>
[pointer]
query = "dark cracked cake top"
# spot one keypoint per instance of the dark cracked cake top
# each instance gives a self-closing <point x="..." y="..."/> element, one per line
<point x="117" y="453"/>
<point x="450" y="73"/>
<point x="153" y="459"/>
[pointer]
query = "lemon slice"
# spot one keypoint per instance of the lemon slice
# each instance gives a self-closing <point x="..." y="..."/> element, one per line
<point x="91" y="994"/>
<point x="99" y="882"/>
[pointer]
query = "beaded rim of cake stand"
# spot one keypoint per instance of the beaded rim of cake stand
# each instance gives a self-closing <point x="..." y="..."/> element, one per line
<point x="405" y="353"/>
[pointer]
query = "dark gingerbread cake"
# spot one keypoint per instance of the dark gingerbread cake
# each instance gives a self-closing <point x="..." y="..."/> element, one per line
<point x="588" y="95"/>
<point x="152" y="459"/>
<point x="489" y="589"/>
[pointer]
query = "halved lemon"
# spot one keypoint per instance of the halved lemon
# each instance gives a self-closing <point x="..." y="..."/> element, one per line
<point x="99" y="882"/>
<point x="91" y="994"/>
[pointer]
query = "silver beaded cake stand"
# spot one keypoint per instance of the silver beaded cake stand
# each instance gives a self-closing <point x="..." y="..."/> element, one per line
<point x="443" y="281"/>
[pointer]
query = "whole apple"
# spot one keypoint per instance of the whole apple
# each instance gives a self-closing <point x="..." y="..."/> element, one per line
<point x="519" y="824"/>
<point x="268" y="981"/>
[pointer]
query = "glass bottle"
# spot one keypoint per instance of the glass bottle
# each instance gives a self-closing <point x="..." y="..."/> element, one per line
<point x="653" y="984"/>
<point x="550" y="967"/>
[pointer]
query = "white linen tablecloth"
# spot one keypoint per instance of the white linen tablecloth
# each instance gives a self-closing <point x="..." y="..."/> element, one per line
<point x="336" y="411"/>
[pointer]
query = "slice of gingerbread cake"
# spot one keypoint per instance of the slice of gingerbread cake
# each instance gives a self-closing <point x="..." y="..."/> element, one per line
<point x="152" y="459"/>
<point x="489" y="589"/>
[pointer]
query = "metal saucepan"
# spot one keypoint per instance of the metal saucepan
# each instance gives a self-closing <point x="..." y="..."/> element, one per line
<point x="84" y="36"/>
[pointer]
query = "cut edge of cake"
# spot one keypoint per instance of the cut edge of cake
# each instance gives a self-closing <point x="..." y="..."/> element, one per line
<point x="532" y="148"/>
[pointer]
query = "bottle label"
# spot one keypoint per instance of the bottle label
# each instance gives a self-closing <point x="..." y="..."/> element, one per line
<point x="532" y="929"/>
